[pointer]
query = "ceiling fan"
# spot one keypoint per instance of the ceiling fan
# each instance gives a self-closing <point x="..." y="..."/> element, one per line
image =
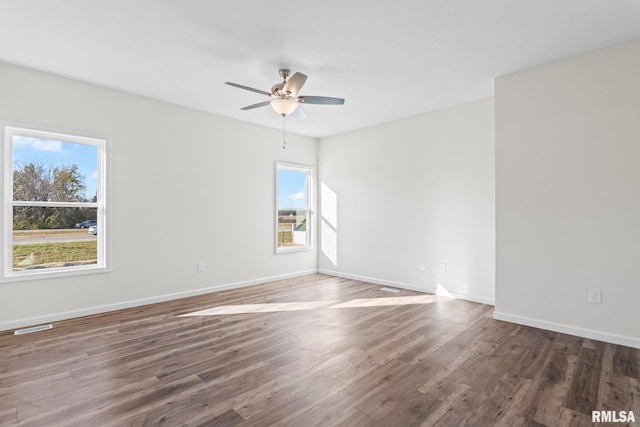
<point x="284" y="95"/>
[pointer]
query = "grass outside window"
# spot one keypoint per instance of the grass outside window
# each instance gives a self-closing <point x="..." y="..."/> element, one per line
<point x="47" y="255"/>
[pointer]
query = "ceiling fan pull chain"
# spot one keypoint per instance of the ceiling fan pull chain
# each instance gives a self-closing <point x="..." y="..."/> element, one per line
<point x="284" y="130"/>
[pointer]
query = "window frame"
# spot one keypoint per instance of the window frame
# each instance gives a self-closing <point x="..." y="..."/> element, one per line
<point x="310" y="171"/>
<point x="103" y="262"/>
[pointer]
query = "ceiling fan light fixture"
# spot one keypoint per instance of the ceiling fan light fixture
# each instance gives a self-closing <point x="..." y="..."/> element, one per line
<point x="284" y="97"/>
<point x="284" y="107"/>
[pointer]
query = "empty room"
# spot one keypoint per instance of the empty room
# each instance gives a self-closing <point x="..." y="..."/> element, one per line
<point x="320" y="213"/>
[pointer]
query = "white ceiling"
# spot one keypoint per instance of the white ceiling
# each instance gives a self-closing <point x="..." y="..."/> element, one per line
<point x="388" y="59"/>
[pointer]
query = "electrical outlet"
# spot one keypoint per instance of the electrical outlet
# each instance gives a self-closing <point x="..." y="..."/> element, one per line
<point x="443" y="267"/>
<point x="200" y="267"/>
<point x="595" y="296"/>
<point x="422" y="266"/>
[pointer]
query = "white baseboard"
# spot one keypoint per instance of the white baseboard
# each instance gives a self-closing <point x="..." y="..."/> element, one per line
<point x="410" y="287"/>
<point x="48" y="318"/>
<point x="568" y="329"/>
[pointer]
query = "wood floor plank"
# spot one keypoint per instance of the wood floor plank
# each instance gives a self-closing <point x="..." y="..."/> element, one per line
<point x="385" y="400"/>
<point x="508" y="400"/>
<point x="310" y="351"/>
<point x="326" y="411"/>
<point x="229" y="418"/>
<point x="411" y="409"/>
<point x="620" y="392"/>
<point x="355" y="418"/>
<point x="626" y="362"/>
<point x="289" y="405"/>
<point x="571" y="418"/>
<point x="440" y="412"/>
<point x="582" y="395"/>
<point x="291" y="383"/>
<point x="556" y="378"/>
<point x="8" y="414"/>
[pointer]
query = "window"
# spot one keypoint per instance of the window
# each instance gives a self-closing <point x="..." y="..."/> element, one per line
<point x="294" y="196"/>
<point x="54" y="214"/>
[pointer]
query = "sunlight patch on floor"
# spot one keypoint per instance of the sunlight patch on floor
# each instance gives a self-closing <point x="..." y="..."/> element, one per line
<point x="379" y="302"/>
<point x="259" y="308"/>
<point x="310" y="305"/>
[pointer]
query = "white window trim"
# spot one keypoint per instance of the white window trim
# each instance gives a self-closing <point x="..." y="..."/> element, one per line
<point x="103" y="144"/>
<point x="311" y="175"/>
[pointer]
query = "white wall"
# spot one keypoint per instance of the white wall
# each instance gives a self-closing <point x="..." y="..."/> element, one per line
<point x="568" y="194"/>
<point x="411" y="191"/>
<point x="187" y="186"/>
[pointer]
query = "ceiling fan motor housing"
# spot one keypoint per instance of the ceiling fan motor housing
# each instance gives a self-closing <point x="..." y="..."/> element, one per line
<point x="276" y="89"/>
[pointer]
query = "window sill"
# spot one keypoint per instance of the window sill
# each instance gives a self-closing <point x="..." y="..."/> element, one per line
<point x="288" y="250"/>
<point x="52" y="273"/>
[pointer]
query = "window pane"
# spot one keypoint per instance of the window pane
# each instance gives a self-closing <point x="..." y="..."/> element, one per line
<point x="48" y="218"/>
<point x="294" y="195"/>
<point x="292" y="228"/>
<point x="292" y="189"/>
<point x="45" y="237"/>
<point x="48" y="170"/>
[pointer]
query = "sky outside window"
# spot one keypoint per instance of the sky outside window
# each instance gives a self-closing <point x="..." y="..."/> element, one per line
<point x="292" y="189"/>
<point x="53" y="153"/>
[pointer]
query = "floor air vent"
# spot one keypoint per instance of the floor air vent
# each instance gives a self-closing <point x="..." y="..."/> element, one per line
<point x="33" y="329"/>
<point x="389" y="290"/>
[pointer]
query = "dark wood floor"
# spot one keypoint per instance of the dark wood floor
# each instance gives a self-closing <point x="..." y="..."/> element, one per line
<point x="315" y="350"/>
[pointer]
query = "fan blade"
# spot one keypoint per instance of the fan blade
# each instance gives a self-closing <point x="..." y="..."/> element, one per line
<point x="295" y="83"/>
<point x="298" y="113"/>
<point x="324" y="100"/>
<point x="262" y="92"/>
<point x="258" y="105"/>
